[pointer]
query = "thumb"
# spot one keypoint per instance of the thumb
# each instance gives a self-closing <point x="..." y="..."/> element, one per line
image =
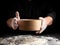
<point x="40" y="17"/>
<point x="17" y="15"/>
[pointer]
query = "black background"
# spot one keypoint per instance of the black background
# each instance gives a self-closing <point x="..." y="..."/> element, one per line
<point x="5" y="9"/>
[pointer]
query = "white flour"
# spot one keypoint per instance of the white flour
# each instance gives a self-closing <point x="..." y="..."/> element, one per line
<point x="29" y="40"/>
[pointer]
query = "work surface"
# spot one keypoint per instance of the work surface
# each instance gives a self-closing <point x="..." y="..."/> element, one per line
<point x="52" y="39"/>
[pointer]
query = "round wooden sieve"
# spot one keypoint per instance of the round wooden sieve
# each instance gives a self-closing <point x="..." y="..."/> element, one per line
<point x="29" y="24"/>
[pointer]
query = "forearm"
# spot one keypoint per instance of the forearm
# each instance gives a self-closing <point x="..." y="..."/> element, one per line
<point x="52" y="14"/>
<point x="51" y="17"/>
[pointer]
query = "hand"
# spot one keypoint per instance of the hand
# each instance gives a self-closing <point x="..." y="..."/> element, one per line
<point x="43" y="26"/>
<point x="15" y="20"/>
<point x="12" y="22"/>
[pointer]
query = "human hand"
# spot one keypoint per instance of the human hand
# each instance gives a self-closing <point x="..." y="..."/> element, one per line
<point x="12" y="22"/>
<point x="43" y="25"/>
<point x="15" y="20"/>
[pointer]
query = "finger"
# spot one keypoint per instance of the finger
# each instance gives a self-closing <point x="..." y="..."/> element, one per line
<point x="14" y="23"/>
<point x="40" y="17"/>
<point x="41" y="31"/>
<point x="15" y="19"/>
<point x="38" y="32"/>
<point x="44" y="26"/>
<point x="17" y="15"/>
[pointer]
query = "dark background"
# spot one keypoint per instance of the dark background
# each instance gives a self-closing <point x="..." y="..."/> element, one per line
<point x="5" y="10"/>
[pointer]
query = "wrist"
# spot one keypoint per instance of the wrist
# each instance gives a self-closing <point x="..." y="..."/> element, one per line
<point x="49" y="20"/>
